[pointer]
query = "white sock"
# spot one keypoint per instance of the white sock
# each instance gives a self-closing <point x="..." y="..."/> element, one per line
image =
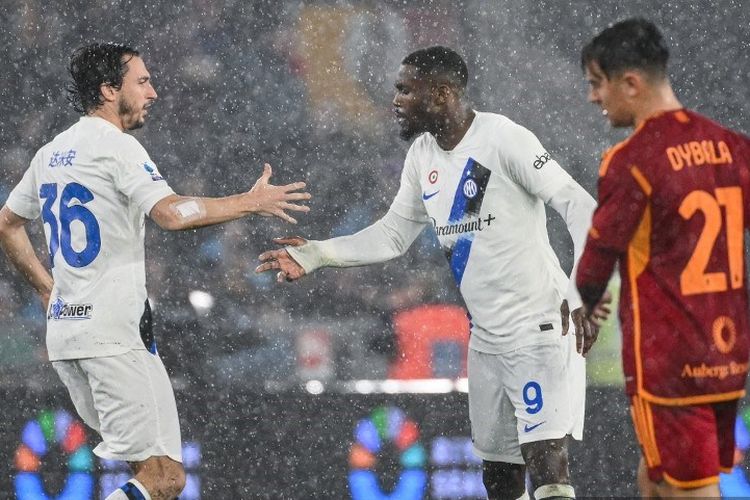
<point x="554" y="490"/>
<point x="525" y="496"/>
<point x="132" y="484"/>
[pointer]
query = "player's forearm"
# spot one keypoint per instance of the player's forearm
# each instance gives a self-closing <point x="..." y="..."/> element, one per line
<point x="594" y="270"/>
<point x="388" y="238"/>
<point x="576" y="207"/>
<point x="16" y="245"/>
<point x="211" y="211"/>
<point x="177" y="213"/>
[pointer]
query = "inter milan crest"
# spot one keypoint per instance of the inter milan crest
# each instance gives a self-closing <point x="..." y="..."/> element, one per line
<point x="433" y="177"/>
<point x="470" y="188"/>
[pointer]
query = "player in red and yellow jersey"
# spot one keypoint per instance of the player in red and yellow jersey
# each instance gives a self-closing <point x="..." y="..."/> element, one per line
<point x="674" y="202"/>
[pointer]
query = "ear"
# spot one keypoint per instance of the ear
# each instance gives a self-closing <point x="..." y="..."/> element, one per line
<point x="441" y="94"/>
<point x="108" y="92"/>
<point x="633" y="83"/>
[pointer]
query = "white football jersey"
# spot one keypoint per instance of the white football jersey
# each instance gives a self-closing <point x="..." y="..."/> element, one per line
<point x="92" y="186"/>
<point x="485" y="200"/>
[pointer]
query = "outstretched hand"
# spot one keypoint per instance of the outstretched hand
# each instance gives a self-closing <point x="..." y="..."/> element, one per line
<point x="269" y="200"/>
<point x="289" y="269"/>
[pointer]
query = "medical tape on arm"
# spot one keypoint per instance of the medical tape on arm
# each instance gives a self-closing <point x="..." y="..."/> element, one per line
<point x="188" y="209"/>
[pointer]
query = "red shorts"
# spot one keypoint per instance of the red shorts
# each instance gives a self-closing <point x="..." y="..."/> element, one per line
<point x="686" y="446"/>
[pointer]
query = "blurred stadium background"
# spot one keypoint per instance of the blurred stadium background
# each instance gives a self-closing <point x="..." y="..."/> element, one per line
<point x="278" y="386"/>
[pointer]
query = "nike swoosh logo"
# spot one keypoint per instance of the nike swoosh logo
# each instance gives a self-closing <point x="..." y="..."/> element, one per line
<point x="529" y="428"/>
<point x="426" y="196"/>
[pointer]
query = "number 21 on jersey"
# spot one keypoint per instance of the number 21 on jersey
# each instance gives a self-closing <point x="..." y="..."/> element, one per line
<point x="694" y="278"/>
<point x="59" y="231"/>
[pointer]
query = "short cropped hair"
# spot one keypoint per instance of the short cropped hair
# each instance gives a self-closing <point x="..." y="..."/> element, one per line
<point x="631" y="44"/>
<point x="92" y="66"/>
<point x="439" y="61"/>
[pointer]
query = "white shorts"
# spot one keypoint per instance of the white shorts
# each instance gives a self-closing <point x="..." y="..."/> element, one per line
<point x="128" y="400"/>
<point x="533" y="393"/>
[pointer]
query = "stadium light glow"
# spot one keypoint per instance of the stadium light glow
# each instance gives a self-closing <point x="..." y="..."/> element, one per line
<point x="314" y="387"/>
<point x="201" y="301"/>
<point x="396" y="386"/>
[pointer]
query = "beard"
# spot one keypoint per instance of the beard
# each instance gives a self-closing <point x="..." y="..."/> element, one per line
<point x="131" y="118"/>
<point x="407" y="133"/>
<point x="620" y="122"/>
<point x="410" y="129"/>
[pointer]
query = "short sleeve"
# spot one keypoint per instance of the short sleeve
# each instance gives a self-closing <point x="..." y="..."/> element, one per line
<point x="137" y="177"/>
<point x="529" y="164"/>
<point x="408" y="202"/>
<point x="24" y="199"/>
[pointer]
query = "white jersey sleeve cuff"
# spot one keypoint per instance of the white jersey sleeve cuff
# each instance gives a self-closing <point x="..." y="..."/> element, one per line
<point x="309" y="255"/>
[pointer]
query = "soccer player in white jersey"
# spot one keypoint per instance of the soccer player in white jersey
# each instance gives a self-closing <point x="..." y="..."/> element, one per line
<point x="481" y="181"/>
<point x="93" y="184"/>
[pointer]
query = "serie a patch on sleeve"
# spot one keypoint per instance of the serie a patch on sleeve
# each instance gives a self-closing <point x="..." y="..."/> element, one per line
<point x="152" y="171"/>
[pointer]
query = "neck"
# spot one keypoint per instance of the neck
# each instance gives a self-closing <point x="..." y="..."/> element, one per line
<point x="106" y="113"/>
<point x="454" y="128"/>
<point x="660" y="100"/>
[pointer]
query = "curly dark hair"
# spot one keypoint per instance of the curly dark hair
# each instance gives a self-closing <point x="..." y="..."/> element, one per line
<point x="92" y="66"/>
<point x="439" y="61"/>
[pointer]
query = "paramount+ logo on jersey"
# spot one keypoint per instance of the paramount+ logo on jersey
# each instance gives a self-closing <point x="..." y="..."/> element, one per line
<point x="471" y="226"/>
<point x="61" y="310"/>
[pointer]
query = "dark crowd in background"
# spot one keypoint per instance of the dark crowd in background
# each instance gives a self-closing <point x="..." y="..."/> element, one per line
<point x="307" y="87"/>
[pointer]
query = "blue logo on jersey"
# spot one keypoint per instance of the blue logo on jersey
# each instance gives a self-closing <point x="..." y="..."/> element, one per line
<point x="151" y="169"/>
<point x="56" y="308"/>
<point x="529" y="428"/>
<point x="426" y="196"/>
<point x="470" y="188"/>
<point x="59" y="309"/>
<point x="62" y="158"/>
<point x="467" y="203"/>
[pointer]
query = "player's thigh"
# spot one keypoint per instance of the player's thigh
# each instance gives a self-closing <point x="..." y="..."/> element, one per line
<point x="492" y="416"/>
<point x="680" y="444"/>
<point x="538" y="383"/>
<point x="76" y="381"/>
<point x="136" y="406"/>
